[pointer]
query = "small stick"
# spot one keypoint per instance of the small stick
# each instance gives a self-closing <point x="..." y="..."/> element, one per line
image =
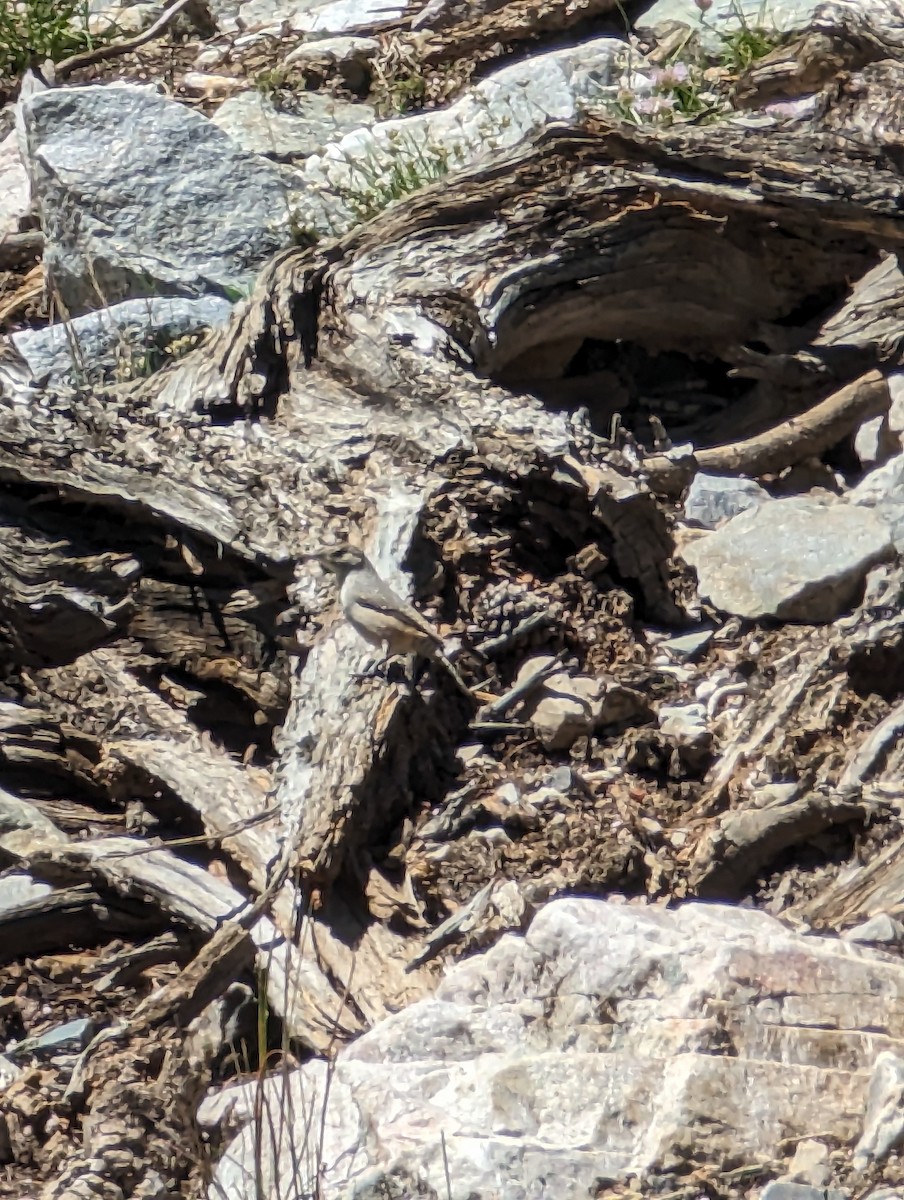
<point x="87" y="58"/>
<point x="536" y="621"/>
<point x="500" y="706"/>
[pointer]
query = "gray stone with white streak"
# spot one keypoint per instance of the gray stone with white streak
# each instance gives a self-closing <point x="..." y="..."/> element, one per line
<point x="143" y="196"/>
<point x="114" y="342"/>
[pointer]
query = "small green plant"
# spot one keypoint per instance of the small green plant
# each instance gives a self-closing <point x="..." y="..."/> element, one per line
<point x="40" y="29"/>
<point x="272" y="81"/>
<point x="745" y="45"/>
<point x="404" y="93"/>
<point x="373" y="185"/>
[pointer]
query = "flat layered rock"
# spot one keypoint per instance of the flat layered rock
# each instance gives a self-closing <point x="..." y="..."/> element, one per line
<point x="254" y="123"/>
<point x="797" y="559"/>
<point x="604" y="1041"/>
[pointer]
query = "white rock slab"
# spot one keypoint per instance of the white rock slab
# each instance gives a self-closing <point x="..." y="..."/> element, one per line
<point x="307" y="16"/>
<point x="594" y="1047"/>
<point x="357" y="16"/>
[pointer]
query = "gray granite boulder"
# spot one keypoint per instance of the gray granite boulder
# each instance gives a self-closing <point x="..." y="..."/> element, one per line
<point x="142" y="196"/>
<point x="797" y="559"/>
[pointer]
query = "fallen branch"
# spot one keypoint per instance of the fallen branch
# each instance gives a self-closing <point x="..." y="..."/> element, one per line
<point x="87" y="58"/>
<point x="804" y="436"/>
<point x="746" y="840"/>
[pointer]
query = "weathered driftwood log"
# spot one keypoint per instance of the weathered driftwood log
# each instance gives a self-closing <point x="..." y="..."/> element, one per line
<point x="809" y="435"/>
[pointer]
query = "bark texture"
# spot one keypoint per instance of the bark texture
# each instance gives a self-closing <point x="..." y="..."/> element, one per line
<point x="184" y="729"/>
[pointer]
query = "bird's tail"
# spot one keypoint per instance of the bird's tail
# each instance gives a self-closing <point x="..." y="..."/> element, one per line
<point x="442" y="656"/>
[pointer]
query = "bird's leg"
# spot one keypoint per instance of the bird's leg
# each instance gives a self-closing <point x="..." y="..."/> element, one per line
<point x="375" y="670"/>
<point x="389" y="663"/>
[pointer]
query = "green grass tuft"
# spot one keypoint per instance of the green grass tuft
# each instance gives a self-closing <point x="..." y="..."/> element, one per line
<point x="372" y="186"/>
<point x="35" y="30"/>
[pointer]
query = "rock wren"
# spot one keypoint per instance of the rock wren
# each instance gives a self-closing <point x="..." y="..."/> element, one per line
<point x="379" y="615"/>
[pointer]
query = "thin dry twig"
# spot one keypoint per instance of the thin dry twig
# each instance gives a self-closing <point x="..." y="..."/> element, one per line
<point x="500" y="706"/>
<point x="87" y="58"/>
<point x="203" y="839"/>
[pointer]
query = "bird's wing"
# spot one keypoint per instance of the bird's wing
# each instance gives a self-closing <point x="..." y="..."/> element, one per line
<point x="394" y="611"/>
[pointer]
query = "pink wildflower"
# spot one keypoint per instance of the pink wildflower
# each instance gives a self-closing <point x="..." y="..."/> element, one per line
<point x="669" y="77"/>
<point x="654" y="106"/>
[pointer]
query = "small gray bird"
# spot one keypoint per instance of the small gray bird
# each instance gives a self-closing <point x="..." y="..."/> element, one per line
<point x="379" y="614"/>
